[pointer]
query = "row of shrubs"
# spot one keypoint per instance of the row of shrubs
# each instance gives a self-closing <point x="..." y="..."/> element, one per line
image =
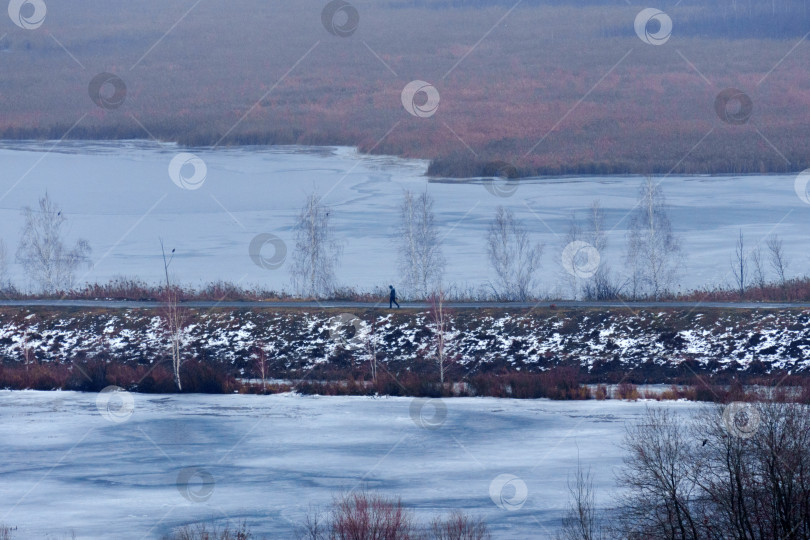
<point x="122" y="288"/>
<point x="792" y="290"/>
<point x="559" y="383"/>
<point x="195" y="377"/>
<point x="134" y="289"/>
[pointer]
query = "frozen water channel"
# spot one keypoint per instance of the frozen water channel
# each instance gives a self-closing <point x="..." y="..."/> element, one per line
<point x="120" y="197"/>
<point x="66" y="466"/>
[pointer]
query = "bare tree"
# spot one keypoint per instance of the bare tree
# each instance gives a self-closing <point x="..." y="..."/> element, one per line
<point x="205" y="531"/>
<point x="596" y="226"/>
<point x="458" y="526"/>
<point x="42" y="251"/>
<point x="738" y="471"/>
<point x="173" y="317"/>
<point x="317" y="251"/>
<point x="439" y="315"/>
<point x="574" y="234"/>
<point x="778" y="258"/>
<point x="757" y="481"/>
<point x="512" y="255"/>
<point x="739" y="265"/>
<point x="370" y="343"/>
<point x="757" y="268"/>
<point x="581" y="522"/>
<point x="653" y="252"/>
<point x="260" y="361"/>
<point x="28" y="354"/>
<point x="599" y="285"/>
<point x="359" y="515"/>
<point x="659" y="478"/>
<point x="315" y="527"/>
<point x="362" y="515"/>
<point x="421" y="260"/>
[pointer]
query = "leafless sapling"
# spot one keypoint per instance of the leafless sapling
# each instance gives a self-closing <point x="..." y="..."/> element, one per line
<point x="173" y="317"/>
<point x="441" y="319"/>
<point x="581" y="521"/>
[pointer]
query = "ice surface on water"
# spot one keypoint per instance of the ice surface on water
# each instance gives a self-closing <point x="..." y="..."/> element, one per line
<point x="119" y="196"/>
<point x="65" y="467"/>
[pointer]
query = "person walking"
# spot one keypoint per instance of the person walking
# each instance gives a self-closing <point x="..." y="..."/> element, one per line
<point x="392" y="297"/>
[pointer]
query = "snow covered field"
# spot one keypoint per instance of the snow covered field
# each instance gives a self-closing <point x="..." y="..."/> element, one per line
<point x="119" y="196"/>
<point x="71" y="463"/>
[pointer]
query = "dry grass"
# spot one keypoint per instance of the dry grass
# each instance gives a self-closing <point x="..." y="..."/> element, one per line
<point x="548" y="72"/>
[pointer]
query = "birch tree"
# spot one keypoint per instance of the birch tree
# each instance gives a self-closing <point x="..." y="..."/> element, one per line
<point x="513" y="256"/>
<point x="371" y="343"/>
<point x="439" y="315"/>
<point x="317" y="251"/>
<point x="47" y="261"/>
<point x="421" y="260"/>
<point x="653" y="252"/>
<point x="173" y="318"/>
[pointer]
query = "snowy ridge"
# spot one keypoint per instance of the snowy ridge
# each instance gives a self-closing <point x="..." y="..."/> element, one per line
<point x="599" y="340"/>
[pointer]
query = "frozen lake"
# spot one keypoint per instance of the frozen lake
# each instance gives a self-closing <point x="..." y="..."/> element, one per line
<point x="119" y="196"/>
<point x="69" y="465"/>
